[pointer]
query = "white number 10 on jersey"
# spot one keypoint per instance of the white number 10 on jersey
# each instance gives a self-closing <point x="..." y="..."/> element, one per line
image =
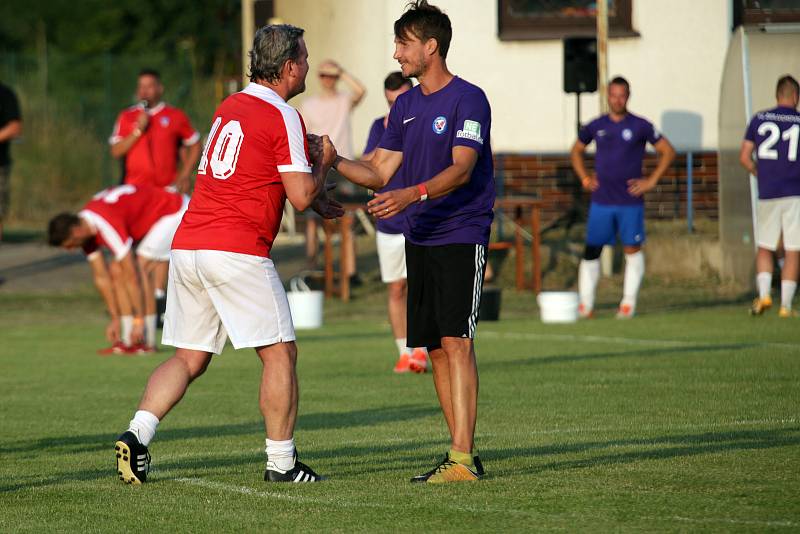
<point x="225" y="152"/>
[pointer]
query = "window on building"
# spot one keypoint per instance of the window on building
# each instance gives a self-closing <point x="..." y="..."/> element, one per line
<point x="520" y="20"/>
<point x="765" y="12"/>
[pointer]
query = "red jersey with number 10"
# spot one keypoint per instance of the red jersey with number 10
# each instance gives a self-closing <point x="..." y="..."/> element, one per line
<point x="238" y="198"/>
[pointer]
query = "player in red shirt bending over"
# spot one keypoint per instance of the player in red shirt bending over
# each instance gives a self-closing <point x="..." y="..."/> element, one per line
<point x="117" y="219"/>
<point x="151" y="137"/>
<point x="222" y="282"/>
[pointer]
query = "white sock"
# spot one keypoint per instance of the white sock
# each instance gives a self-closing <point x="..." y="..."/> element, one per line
<point x="150" y="330"/>
<point x="281" y="453"/>
<point x="634" y="272"/>
<point x="588" y="276"/>
<point x="401" y="346"/>
<point x="764" y="283"/>
<point x="159" y="293"/>
<point x="126" y="324"/>
<point x="788" y="287"/>
<point x="144" y="425"/>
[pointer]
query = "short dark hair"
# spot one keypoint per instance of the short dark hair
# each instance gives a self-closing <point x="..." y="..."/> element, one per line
<point x="150" y="72"/>
<point x="60" y="227"/>
<point x="787" y="86"/>
<point x="273" y="45"/>
<point x="619" y="80"/>
<point x="395" y="80"/>
<point x="424" y="22"/>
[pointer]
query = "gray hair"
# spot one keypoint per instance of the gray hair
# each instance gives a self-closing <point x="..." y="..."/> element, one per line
<point x="273" y="45"/>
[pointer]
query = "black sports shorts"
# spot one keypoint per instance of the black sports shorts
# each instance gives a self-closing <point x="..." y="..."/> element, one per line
<point x="444" y="292"/>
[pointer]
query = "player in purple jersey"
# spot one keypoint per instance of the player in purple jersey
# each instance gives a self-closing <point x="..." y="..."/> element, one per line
<point x="392" y="245"/>
<point x="774" y="135"/>
<point x="440" y="132"/>
<point x="618" y="190"/>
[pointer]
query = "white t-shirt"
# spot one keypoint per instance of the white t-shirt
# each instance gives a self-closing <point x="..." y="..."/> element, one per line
<point x="330" y="115"/>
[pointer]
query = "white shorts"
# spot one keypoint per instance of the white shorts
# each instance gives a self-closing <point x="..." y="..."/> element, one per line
<point x="213" y="294"/>
<point x="156" y="243"/>
<point x="778" y="216"/>
<point x="392" y="256"/>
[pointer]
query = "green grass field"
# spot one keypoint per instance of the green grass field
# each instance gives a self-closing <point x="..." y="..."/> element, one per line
<point x="684" y="419"/>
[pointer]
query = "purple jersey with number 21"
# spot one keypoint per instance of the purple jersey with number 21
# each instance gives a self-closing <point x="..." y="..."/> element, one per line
<point x="776" y="133"/>
<point x="425" y="128"/>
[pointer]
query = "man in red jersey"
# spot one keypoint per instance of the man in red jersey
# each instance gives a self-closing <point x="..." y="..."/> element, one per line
<point x="156" y="141"/>
<point x="116" y="219"/>
<point x="222" y="282"/>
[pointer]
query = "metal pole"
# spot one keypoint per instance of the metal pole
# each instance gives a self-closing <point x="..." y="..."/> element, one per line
<point x="602" y="53"/>
<point x="578" y="113"/>
<point x="248" y="31"/>
<point x="689" y="187"/>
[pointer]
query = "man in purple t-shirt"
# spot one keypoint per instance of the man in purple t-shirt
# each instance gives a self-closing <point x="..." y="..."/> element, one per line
<point x="774" y="135"/>
<point x="618" y="190"/>
<point x="440" y="132"/>
<point x="392" y="245"/>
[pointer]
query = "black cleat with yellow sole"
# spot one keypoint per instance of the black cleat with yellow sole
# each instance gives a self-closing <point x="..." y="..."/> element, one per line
<point x="424" y="477"/>
<point x="133" y="459"/>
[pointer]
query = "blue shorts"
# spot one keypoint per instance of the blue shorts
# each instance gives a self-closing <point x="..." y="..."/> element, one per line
<point x="605" y="222"/>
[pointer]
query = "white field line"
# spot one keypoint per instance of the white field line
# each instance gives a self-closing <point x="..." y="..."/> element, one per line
<point x="624" y="340"/>
<point x="361" y="504"/>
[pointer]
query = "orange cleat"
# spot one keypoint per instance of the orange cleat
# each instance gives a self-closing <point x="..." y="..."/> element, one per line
<point x="116" y="348"/>
<point x="402" y="365"/>
<point x="626" y="311"/>
<point x="584" y="312"/>
<point x="419" y="361"/>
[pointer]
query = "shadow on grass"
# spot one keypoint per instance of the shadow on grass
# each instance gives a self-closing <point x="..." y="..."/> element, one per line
<point x="311" y="421"/>
<point x="639" y="353"/>
<point x="655" y="448"/>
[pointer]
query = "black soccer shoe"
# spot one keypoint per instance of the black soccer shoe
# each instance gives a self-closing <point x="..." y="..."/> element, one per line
<point x="299" y="473"/>
<point x="425" y="476"/>
<point x="133" y="459"/>
<point x="161" y="309"/>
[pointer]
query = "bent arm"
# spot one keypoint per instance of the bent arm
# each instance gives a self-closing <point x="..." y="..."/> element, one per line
<point x="576" y="158"/>
<point x="120" y="148"/>
<point x="189" y="155"/>
<point x="357" y="88"/>
<point x="373" y="174"/>
<point x="11" y="130"/>
<point x="130" y="284"/>
<point x="666" y="154"/>
<point x="454" y="176"/>
<point x="103" y="283"/>
<point x="746" y="157"/>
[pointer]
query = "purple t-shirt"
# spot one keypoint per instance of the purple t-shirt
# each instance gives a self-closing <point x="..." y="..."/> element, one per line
<point x="426" y="128"/>
<point x="619" y="154"/>
<point x="392" y="225"/>
<point x="776" y="134"/>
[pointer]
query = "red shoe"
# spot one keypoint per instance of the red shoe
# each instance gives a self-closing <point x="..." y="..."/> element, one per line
<point x="419" y="361"/>
<point x="585" y="313"/>
<point x="626" y="311"/>
<point x="116" y="348"/>
<point x="402" y="363"/>
<point x="143" y="349"/>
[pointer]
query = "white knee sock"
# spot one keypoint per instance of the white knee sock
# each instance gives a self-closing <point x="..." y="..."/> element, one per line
<point x="634" y="272"/>
<point x="588" y="276"/>
<point x="144" y="425"/>
<point x="126" y="325"/>
<point x="788" y="287"/>
<point x="401" y="346"/>
<point x="281" y="453"/>
<point x="159" y="293"/>
<point x="150" y="330"/>
<point x="764" y="284"/>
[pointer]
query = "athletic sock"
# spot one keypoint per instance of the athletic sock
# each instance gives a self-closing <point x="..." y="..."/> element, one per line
<point x="150" y="330"/>
<point x="464" y="458"/>
<point x="764" y="283"/>
<point x="281" y="453"/>
<point x="588" y="276"/>
<point x="788" y="287"/>
<point x="401" y="346"/>
<point x="160" y="294"/>
<point x="144" y="425"/>
<point x="126" y="325"/>
<point x="634" y="272"/>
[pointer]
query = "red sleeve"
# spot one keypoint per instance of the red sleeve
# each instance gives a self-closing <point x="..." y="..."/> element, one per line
<point x="123" y="126"/>
<point x="291" y="145"/>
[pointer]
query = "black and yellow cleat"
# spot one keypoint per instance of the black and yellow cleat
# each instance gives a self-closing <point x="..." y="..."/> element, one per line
<point x="457" y="474"/>
<point x="133" y="459"/>
<point x="760" y="305"/>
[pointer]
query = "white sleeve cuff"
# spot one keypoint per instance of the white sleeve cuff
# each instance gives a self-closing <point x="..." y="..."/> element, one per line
<point x="294" y="168"/>
<point x="192" y="140"/>
<point x="114" y="139"/>
<point x="121" y="252"/>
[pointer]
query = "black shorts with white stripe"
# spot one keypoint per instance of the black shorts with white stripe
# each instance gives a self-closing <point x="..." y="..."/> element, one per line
<point x="444" y="291"/>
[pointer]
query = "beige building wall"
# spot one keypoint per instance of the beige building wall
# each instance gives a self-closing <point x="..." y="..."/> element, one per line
<point x="674" y="67"/>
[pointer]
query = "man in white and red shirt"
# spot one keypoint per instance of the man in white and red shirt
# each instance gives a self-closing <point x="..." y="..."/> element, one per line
<point x="156" y="142"/>
<point x="117" y="219"/>
<point x="222" y="282"/>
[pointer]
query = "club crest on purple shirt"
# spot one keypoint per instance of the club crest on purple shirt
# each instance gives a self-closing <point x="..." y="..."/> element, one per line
<point x="627" y="134"/>
<point x="440" y="124"/>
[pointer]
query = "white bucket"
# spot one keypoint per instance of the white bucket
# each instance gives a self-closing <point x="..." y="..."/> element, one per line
<point x="305" y="305"/>
<point x="558" y="306"/>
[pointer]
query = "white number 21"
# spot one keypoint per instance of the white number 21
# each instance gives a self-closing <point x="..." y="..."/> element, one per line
<point x="773" y="132"/>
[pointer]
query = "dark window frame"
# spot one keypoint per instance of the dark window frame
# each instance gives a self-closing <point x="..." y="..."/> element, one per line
<point x="509" y="29"/>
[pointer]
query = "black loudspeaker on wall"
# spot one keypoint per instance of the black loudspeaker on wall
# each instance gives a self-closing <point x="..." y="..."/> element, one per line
<point x="580" y="65"/>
